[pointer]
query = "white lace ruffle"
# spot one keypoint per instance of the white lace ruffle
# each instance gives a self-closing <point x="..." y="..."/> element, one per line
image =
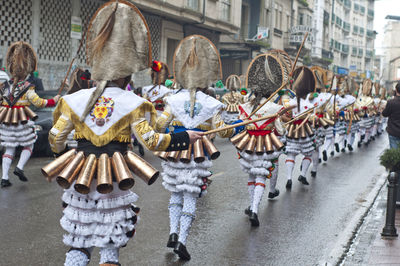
<point x="300" y="146"/>
<point x="179" y="177"/>
<point x="19" y="135"/>
<point x="114" y="241"/>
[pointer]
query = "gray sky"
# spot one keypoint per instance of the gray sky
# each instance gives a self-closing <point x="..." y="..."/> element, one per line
<point x="382" y="9"/>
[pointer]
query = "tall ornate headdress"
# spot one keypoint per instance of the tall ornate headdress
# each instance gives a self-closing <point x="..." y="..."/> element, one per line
<point x="196" y="65"/>
<point x="367" y="87"/>
<point x="21" y="60"/>
<point x="117" y="45"/>
<point x="304" y="83"/>
<point x="233" y="83"/>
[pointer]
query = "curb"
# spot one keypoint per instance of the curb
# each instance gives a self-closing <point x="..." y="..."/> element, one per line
<point x="346" y="238"/>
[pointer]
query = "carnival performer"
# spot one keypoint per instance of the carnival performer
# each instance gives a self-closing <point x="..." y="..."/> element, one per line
<point x="101" y="214"/>
<point x="17" y="127"/>
<point x="354" y="121"/>
<point x="158" y="90"/>
<point x="232" y="99"/>
<point x="260" y="146"/>
<point x="318" y="119"/>
<point x="196" y="65"/>
<point x="344" y="101"/>
<point x="365" y="104"/>
<point x="300" y="136"/>
<point x="331" y="87"/>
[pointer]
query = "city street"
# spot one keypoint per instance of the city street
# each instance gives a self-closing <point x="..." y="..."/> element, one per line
<point x="299" y="227"/>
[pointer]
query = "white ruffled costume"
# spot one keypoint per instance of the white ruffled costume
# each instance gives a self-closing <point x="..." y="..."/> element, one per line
<point x="186" y="180"/>
<point x="261" y="167"/>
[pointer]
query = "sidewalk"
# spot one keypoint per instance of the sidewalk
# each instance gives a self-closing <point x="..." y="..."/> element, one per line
<point x="369" y="247"/>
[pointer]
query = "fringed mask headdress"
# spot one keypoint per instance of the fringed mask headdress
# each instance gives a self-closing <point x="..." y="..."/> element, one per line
<point x="320" y="77"/>
<point x="117" y="45"/>
<point x="21" y="60"/>
<point x="196" y="65"/>
<point x="367" y="87"/>
<point x="265" y="75"/>
<point x="233" y="83"/>
<point x="303" y="84"/>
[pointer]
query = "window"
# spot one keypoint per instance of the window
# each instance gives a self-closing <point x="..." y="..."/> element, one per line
<point x="287" y="22"/>
<point x="301" y="19"/>
<point x="276" y="18"/>
<point x="225" y="10"/>
<point x="280" y="19"/>
<point x="193" y="4"/>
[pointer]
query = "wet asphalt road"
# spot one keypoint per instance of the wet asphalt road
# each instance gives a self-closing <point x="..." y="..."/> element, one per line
<point x="298" y="228"/>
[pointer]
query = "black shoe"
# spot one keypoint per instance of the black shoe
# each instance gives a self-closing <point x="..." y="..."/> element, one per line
<point x="272" y="195"/>
<point x="254" y="219"/>
<point x="373" y="137"/>
<point x="247" y="211"/>
<point x="350" y="147"/>
<point x="303" y="180"/>
<point x="359" y="144"/>
<point x="345" y="142"/>
<point x="324" y="156"/>
<point x="141" y="150"/>
<point x="172" y="240"/>
<point x="337" y="147"/>
<point x="289" y="184"/>
<point x="319" y="160"/>
<point x="20" y="173"/>
<point x="5" y="183"/>
<point x="313" y="174"/>
<point x="182" y="252"/>
<point x="343" y="150"/>
<point x="332" y="153"/>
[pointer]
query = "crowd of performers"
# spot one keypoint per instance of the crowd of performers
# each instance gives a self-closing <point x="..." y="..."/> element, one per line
<point x="274" y="109"/>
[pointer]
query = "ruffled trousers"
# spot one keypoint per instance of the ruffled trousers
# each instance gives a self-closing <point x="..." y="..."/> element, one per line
<point x="99" y="220"/>
<point x="13" y="136"/>
<point x="186" y="182"/>
<point x="260" y="168"/>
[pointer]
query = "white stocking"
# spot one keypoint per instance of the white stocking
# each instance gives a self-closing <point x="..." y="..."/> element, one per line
<point x="289" y="165"/>
<point x="258" y="193"/>
<point x="328" y="143"/>
<point x="352" y="139"/>
<point x="8" y="157"/>
<point x="175" y="211"/>
<point x="76" y="258"/>
<point x="188" y="215"/>
<point x="109" y="255"/>
<point x="315" y="159"/>
<point x="24" y="157"/>
<point x="250" y="187"/>
<point x="274" y="178"/>
<point x="304" y="165"/>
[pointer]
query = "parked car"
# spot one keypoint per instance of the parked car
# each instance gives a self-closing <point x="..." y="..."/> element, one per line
<point x="44" y="123"/>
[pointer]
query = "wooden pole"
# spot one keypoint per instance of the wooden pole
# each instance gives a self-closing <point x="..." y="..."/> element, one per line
<point x="72" y="61"/>
<point x="298" y="53"/>
<point x="240" y="124"/>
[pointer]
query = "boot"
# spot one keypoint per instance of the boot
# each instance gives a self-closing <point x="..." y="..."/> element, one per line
<point x="289" y="185"/>
<point x="303" y="180"/>
<point x="247" y="211"/>
<point x="275" y="194"/>
<point x="350" y="147"/>
<point x="182" y="252"/>
<point x="20" y="173"/>
<point x="313" y="174"/>
<point x="254" y="219"/>
<point x="324" y="156"/>
<point x="5" y="183"/>
<point x="337" y="147"/>
<point x="173" y="240"/>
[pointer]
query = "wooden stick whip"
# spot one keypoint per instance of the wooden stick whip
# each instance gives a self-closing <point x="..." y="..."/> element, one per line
<point x="72" y="61"/>
<point x="298" y="52"/>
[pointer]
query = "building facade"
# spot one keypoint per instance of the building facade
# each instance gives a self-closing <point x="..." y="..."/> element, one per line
<point x="391" y="53"/>
<point x="47" y="25"/>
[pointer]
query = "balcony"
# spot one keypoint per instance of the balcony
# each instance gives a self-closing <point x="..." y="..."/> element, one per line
<point x="355" y="29"/>
<point x="369" y="54"/>
<point x="362" y="10"/>
<point x="370" y="34"/>
<point x="354" y="51"/>
<point x="356" y="7"/>
<point x="360" y="52"/>
<point x="327" y="54"/>
<point x="347" y="4"/>
<point x="346" y="26"/>
<point x="361" y="31"/>
<point x="370" y="13"/>
<point x="345" y="49"/>
<point x="339" y="21"/>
